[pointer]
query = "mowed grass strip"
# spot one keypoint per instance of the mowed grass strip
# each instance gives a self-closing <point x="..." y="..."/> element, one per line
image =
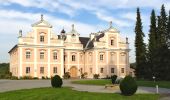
<point x="68" y="94"/>
<point x="162" y="84"/>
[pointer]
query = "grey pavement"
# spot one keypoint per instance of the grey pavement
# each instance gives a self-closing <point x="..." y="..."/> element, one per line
<point x="8" y="85"/>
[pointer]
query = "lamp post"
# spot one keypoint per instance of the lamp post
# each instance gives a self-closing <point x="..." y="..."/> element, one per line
<point x="157" y="91"/>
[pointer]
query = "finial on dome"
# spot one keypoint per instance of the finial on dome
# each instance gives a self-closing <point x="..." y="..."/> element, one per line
<point x="72" y="27"/>
<point x="110" y="24"/>
<point x="42" y="17"/>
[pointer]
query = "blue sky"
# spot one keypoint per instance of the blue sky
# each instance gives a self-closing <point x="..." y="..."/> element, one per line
<point x="87" y="15"/>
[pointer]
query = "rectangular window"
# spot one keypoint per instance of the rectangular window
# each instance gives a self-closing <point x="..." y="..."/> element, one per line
<point x="73" y="58"/>
<point x="27" y="70"/>
<point x="101" y="70"/>
<point x="54" y="69"/>
<point x="41" y="70"/>
<point x="41" y="55"/>
<point x="28" y="54"/>
<point x="112" y="42"/>
<point x="65" y="57"/>
<point x="101" y="57"/>
<point x="55" y="55"/>
<point x="41" y="38"/>
<point x="112" y="70"/>
<point x="122" y="70"/>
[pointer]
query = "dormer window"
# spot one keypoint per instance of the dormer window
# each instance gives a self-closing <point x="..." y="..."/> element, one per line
<point x="41" y="38"/>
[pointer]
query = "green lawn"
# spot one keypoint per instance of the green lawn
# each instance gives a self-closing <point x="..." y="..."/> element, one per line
<point x="163" y="84"/>
<point x="68" y="94"/>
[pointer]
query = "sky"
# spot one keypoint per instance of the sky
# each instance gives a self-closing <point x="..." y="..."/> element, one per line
<point x="89" y="16"/>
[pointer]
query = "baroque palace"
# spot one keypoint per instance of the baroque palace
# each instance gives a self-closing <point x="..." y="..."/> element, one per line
<point x="44" y="53"/>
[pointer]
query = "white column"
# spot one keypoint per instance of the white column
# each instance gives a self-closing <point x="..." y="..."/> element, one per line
<point x="107" y="61"/>
<point x="35" y="62"/>
<point x="20" y="62"/>
<point x="78" y="64"/>
<point x="96" y="62"/>
<point x="118" y="69"/>
<point x="62" y="63"/>
<point x="49" y="54"/>
<point x="49" y="57"/>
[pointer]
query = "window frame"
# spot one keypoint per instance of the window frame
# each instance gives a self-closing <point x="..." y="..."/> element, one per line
<point x="42" y="56"/>
<point x="112" y="70"/>
<point x="28" y="56"/>
<point x="42" y="38"/>
<point x="101" y="57"/>
<point x="28" y="70"/>
<point x="54" y="70"/>
<point x="122" y="70"/>
<point x="55" y="55"/>
<point x="73" y="57"/>
<point x="101" y="70"/>
<point x="41" y="70"/>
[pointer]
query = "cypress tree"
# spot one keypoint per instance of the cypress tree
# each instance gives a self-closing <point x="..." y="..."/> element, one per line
<point x="163" y="25"/>
<point x="152" y="45"/>
<point x="140" y="47"/>
<point x="168" y="30"/>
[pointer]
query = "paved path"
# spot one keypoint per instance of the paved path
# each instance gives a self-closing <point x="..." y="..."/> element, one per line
<point x="8" y="85"/>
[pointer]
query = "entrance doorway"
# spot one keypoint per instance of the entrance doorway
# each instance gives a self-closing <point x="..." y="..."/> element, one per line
<point x="73" y="72"/>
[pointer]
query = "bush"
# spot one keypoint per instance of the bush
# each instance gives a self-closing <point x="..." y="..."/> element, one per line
<point x="56" y="81"/>
<point x="26" y="77"/>
<point x="66" y="75"/>
<point x="35" y="78"/>
<point x="113" y="78"/>
<point x="96" y="76"/>
<point x="14" y="78"/>
<point x="42" y="77"/>
<point x="128" y="86"/>
<point x="84" y="75"/>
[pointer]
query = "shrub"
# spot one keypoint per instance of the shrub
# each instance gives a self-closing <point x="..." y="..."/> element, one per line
<point x="113" y="78"/>
<point x="26" y="77"/>
<point x="14" y="78"/>
<point x="96" y="76"/>
<point x="128" y="86"/>
<point x="84" y="75"/>
<point x="42" y="77"/>
<point x="56" y="81"/>
<point x="35" y="78"/>
<point x="66" y="75"/>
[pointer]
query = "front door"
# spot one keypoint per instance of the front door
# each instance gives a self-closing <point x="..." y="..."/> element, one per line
<point x="73" y="72"/>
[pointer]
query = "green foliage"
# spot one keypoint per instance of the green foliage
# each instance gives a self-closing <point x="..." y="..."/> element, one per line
<point x="140" y="47"/>
<point x="66" y="75"/>
<point x="35" y="78"/>
<point x="26" y="77"/>
<point x="128" y="86"/>
<point x="84" y="75"/>
<point x="43" y="77"/>
<point x="113" y="78"/>
<point x="96" y="76"/>
<point x="14" y="78"/>
<point x="56" y="81"/>
<point x="4" y="71"/>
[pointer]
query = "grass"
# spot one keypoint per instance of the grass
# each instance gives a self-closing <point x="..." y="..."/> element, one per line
<point x="68" y="94"/>
<point x="162" y="84"/>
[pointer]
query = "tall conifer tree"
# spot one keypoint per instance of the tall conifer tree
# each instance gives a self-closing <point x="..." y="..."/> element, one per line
<point x="152" y="45"/>
<point x="140" y="47"/>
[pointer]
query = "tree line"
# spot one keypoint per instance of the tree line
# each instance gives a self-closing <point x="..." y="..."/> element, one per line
<point x="153" y="59"/>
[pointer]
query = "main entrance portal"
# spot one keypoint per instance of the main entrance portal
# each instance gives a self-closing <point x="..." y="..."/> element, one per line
<point x="73" y="72"/>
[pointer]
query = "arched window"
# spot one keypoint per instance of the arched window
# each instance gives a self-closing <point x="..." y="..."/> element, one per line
<point x="73" y="58"/>
<point x="112" y="42"/>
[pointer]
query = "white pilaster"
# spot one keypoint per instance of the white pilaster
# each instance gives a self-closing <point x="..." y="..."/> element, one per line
<point x="107" y="61"/>
<point x="20" y="63"/>
<point x="118" y="69"/>
<point x="78" y="64"/>
<point x="62" y="63"/>
<point x="97" y="62"/>
<point x="35" y="62"/>
<point x="49" y="54"/>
